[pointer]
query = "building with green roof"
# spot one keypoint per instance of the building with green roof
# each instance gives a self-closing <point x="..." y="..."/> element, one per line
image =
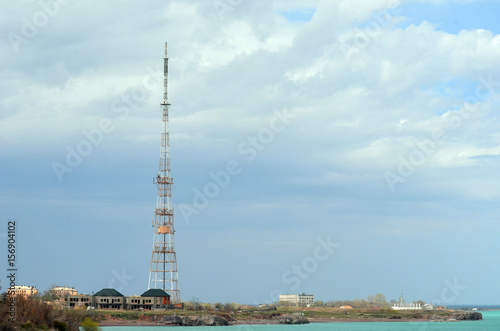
<point x="151" y="299"/>
<point x="109" y="298"/>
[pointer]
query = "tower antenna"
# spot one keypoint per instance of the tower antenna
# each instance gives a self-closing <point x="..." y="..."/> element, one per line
<point x="163" y="272"/>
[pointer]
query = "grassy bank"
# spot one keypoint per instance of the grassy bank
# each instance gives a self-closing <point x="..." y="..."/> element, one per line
<point x="34" y="314"/>
<point x="263" y="314"/>
<point x="369" y="313"/>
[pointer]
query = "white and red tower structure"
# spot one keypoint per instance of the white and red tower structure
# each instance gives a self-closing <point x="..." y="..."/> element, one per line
<point x="163" y="273"/>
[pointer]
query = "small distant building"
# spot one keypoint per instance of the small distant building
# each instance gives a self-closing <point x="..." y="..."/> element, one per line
<point x="298" y="299"/>
<point x="77" y="300"/>
<point x="135" y="302"/>
<point x="62" y="291"/>
<point x="109" y="298"/>
<point x="403" y="305"/>
<point x="346" y="307"/>
<point x="151" y="299"/>
<point x="160" y="297"/>
<point x="21" y="290"/>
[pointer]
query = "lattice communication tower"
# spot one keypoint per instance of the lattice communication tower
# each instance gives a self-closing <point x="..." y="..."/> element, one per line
<point x="163" y="273"/>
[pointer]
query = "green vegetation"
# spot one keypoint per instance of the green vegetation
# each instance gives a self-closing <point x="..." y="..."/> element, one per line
<point x="366" y="313"/>
<point x="247" y="313"/>
<point x="60" y="326"/>
<point x="47" y="295"/>
<point x="89" y="325"/>
<point x="372" y="301"/>
<point x="28" y="326"/>
<point x="33" y="314"/>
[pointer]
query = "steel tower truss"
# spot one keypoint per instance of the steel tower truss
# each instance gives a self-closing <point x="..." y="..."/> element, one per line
<point x="163" y="273"/>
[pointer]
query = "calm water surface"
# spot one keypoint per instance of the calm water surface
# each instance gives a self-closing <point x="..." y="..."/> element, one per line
<point x="491" y="321"/>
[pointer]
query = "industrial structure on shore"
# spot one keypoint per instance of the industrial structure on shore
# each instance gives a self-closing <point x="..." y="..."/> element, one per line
<point x="403" y="305"/>
<point x="163" y="286"/>
<point x="163" y="272"/>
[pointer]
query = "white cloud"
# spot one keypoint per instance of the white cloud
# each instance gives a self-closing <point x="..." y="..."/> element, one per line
<point x="359" y="105"/>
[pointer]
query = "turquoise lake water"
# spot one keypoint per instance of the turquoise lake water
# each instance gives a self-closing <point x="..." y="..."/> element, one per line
<point x="491" y="321"/>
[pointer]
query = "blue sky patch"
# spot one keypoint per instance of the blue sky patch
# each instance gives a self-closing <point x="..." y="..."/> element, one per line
<point x="453" y="89"/>
<point x="298" y="14"/>
<point x="454" y="17"/>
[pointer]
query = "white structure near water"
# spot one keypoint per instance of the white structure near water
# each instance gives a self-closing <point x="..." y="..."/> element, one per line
<point x="298" y="299"/>
<point x="403" y="305"/>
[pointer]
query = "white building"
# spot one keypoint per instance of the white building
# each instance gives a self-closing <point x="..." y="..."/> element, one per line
<point x="403" y="305"/>
<point x="62" y="291"/>
<point x="298" y="299"/>
<point x="22" y="290"/>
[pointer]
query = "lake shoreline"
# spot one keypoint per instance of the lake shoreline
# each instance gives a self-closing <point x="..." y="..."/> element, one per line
<point x="278" y="316"/>
<point x="116" y="323"/>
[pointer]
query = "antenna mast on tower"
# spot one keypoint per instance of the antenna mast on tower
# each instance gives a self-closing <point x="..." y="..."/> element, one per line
<point x="163" y="273"/>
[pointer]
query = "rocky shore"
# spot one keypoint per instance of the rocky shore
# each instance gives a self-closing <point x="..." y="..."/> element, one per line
<point x="290" y="319"/>
<point x="168" y="320"/>
<point x="468" y="316"/>
<point x="214" y="320"/>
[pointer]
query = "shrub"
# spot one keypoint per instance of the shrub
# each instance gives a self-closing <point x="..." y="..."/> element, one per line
<point x="228" y="307"/>
<point x="89" y="325"/>
<point x="28" y="326"/>
<point x="61" y="326"/>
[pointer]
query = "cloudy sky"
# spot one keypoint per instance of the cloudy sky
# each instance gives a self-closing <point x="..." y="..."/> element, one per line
<point x="339" y="148"/>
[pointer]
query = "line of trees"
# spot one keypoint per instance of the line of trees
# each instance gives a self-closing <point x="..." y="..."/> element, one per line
<point x="195" y="305"/>
<point x="32" y="313"/>
<point x="372" y="301"/>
